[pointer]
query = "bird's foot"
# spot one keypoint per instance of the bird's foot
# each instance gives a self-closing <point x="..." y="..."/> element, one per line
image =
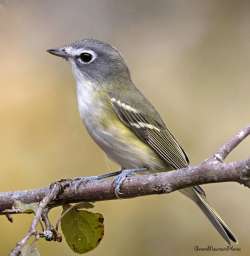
<point x="121" y="177"/>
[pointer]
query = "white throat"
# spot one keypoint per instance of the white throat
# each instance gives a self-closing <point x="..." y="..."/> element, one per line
<point x="86" y="91"/>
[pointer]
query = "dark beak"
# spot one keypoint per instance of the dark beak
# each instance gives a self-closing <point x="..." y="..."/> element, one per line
<point x="60" y="52"/>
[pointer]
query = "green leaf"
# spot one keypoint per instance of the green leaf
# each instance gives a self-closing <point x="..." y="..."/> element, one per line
<point x="29" y="250"/>
<point x="83" y="230"/>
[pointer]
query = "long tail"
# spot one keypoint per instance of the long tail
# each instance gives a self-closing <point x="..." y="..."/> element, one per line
<point x="198" y="196"/>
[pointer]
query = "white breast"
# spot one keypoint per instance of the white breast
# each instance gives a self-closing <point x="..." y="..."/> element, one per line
<point x="85" y="98"/>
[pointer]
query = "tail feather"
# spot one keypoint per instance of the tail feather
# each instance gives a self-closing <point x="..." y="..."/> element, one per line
<point x="216" y="220"/>
<point x="212" y="215"/>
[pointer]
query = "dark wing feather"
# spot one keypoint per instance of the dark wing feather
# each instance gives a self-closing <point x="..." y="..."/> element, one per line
<point x="152" y="132"/>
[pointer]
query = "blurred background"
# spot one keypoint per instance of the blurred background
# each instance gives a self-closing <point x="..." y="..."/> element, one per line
<point x="191" y="58"/>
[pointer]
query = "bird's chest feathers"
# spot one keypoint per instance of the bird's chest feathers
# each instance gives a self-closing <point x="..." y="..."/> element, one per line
<point x="90" y="107"/>
<point x="97" y="116"/>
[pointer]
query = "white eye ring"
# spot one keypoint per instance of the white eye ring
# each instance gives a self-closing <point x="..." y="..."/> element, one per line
<point x="87" y="56"/>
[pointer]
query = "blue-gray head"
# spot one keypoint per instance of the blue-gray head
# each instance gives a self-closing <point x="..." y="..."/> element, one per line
<point x="94" y="60"/>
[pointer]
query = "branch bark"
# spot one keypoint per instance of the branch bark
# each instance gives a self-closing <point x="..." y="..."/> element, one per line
<point x="212" y="170"/>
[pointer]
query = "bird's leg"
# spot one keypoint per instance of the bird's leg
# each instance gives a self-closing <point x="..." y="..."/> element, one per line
<point x="121" y="177"/>
<point x="82" y="180"/>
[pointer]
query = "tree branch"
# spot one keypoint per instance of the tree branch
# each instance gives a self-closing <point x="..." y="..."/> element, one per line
<point x="212" y="170"/>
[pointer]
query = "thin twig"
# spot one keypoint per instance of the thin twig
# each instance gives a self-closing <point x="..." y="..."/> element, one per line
<point x="54" y="191"/>
<point x="228" y="147"/>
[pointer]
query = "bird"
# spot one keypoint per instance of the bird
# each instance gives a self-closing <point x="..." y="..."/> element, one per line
<point x="123" y="122"/>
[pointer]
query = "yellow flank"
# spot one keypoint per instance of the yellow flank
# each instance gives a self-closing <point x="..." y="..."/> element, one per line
<point x="127" y="149"/>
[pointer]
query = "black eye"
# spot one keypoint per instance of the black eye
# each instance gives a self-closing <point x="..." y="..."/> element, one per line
<point x="86" y="57"/>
